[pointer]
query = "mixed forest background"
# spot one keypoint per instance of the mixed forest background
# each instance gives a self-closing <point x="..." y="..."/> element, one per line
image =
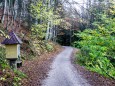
<point x="42" y="23"/>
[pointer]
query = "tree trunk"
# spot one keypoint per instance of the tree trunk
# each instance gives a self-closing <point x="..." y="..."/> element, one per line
<point x="4" y="12"/>
<point x="47" y="32"/>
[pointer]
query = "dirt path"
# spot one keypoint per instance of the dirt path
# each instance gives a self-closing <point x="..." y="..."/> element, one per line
<point x="63" y="73"/>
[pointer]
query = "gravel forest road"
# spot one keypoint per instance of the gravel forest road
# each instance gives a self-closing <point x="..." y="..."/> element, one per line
<point x="63" y="73"/>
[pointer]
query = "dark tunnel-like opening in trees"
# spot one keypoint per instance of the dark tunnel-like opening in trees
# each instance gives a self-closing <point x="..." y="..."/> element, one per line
<point x="66" y="37"/>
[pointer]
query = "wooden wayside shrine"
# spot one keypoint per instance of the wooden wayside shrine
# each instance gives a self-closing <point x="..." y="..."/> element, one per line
<point x="12" y="44"/>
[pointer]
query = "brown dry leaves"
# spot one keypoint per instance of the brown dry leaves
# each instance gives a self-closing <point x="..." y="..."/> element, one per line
<point x="37" y="69"/>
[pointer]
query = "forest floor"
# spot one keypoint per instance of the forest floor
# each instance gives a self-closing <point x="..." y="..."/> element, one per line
<point x="36" y="69"/>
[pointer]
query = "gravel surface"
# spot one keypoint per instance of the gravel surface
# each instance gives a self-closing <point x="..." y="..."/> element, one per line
<point x="63" y="73"/>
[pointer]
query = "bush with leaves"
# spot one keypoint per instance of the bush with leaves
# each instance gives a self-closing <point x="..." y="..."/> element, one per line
<point x="3" y="62"/>
<point x="98" y="46"/>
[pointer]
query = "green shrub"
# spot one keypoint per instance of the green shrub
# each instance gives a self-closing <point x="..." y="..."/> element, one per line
<point x="49" y="47"/>
<point x="98" y="48"/>
<point x="3" y="61"/>
<point x="19" y="74"/>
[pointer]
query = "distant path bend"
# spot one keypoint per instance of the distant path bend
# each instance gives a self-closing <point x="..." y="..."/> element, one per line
<point x="63" y="72"/>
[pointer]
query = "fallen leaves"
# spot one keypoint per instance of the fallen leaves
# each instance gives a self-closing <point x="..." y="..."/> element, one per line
<point x="37" y="69"/>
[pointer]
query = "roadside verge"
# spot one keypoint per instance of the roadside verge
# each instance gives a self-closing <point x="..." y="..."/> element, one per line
<point x="37" y="69"/>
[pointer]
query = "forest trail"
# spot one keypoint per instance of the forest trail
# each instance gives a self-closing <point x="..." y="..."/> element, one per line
<point x="63" y="72"/>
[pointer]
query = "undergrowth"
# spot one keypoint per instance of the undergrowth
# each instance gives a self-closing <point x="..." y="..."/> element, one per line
<point x="34" y="48"/>
<point x="98" y="47"/>
<point x="9" y="77"/>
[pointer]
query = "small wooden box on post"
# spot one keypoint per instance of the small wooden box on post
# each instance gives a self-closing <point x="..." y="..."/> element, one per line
<point x="12" y="45"/>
